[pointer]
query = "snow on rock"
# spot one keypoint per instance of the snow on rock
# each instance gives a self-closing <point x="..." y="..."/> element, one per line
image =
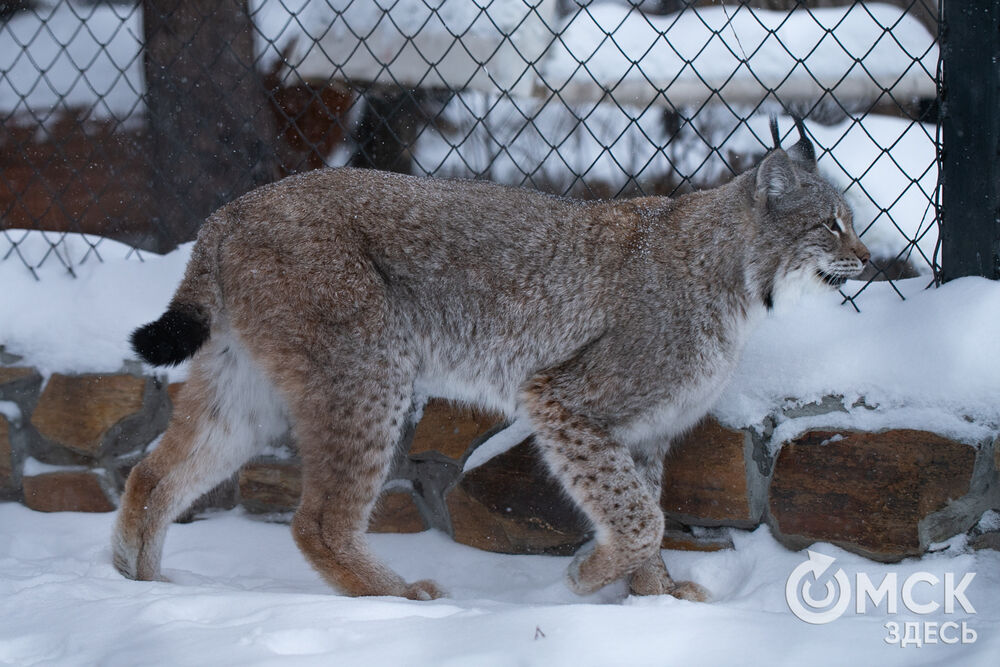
<point x="930" y="362"/>
<point x="241" y="593"/>
<point x="503" y="441"/>
<point x="413" y="43"/>
<point x="741" y="54"/>
<point x="61" y="323"/>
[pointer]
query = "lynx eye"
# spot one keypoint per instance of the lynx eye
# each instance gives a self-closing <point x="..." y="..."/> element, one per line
<point x="834" y="226"/>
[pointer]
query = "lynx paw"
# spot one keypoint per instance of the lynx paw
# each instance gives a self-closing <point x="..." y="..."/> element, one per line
<point x="592" y="569"/>
<point x="688" y="590"/>
<point x="650" y="583"/>
<point x="133" y="561"/>
<point x="425" y="589"/>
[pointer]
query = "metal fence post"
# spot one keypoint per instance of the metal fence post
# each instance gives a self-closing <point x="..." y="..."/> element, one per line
<point x="970" y="134"/>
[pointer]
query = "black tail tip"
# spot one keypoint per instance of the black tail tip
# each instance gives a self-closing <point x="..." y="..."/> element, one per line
<point x="174" y="337"/>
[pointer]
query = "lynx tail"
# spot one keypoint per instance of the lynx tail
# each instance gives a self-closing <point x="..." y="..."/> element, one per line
<point x="187" y="323"/>
<point x="174" y="337"/>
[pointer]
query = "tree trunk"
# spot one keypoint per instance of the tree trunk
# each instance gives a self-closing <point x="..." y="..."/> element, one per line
<point x="390" y="124"/>
<point x="211" y="131"/>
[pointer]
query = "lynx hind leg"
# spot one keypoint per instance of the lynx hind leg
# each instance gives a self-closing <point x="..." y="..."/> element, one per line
<point x="600" y="476"/>
<point x="224" y="412"/>
<point x="652" y="577"/>
<point x="347" y="435"/>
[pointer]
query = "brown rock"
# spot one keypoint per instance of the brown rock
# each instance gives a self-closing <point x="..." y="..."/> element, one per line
<point x="14" y="373"/>
<point x="450" y="429"/>
<point x="996" y="455"/>
<point x="65" y="491"/>
<point x="78" y="410"/>
<point x="986" y="541"/>
<point x="679" y="540"/>
<point x="396" y="512"/>
<point x="705" y="479"/>
<point x="19" y="384"/>
<point x="473" y="524"/>
<point x="275" y="487"/>
<point x="6" y="455"/>
<point x="270" y="487"/>
<point x="510" y="504"/>
<point x="866" y="492"/>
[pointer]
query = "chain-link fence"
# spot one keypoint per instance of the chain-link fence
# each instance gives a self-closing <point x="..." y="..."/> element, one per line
<point x="133" y="120"/>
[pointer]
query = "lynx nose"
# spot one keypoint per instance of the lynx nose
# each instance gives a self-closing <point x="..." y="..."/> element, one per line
<point x="861" y="251"/>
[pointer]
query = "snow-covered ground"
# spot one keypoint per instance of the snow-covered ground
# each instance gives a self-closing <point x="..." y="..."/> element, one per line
<point x="242" y="594"/>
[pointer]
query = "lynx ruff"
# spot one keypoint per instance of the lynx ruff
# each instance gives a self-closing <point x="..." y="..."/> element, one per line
<point x="336" y="301"/>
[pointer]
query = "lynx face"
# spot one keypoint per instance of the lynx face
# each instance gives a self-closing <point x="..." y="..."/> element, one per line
<point x="814" y="218"/>
<point x="845" y="255"/>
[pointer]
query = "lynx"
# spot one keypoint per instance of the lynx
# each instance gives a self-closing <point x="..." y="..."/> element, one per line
<point x="336" y="301"/>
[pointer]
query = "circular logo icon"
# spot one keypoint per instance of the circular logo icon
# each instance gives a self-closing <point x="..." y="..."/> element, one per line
<point x="831" y="603"/>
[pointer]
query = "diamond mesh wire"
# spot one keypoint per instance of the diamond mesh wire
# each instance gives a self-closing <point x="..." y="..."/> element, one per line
<point x="131" y="121"/>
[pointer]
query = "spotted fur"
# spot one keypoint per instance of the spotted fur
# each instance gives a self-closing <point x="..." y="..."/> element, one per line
<point x="335" y="301"/>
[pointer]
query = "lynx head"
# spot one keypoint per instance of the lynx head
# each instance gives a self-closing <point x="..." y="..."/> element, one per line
<point x="801" y="211"/>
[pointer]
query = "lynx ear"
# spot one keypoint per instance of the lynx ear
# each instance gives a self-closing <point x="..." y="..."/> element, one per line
<point x="803" y="152"/>
<point x="775" y="176"/>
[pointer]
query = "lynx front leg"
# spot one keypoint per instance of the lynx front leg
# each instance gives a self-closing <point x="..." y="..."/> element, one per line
<point x="600" y="475"/>
<point x="652" y="577"/>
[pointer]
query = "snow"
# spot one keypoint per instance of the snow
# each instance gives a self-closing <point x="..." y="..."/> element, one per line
<point x="888" y="170"/>
<point x="64" y="54"/>
<point x="990" y="521"/>
<point x="241" y="593"/>
<point x="741" y="54"/>
<point x="66" y="324"/>
<point x="33" y="466"/>
<point x="10" y="411"/>
<point x="930" y="362"/>
<point x="412" y="43"/>
<point x="506" y="439"/>
<point x="680" y="59"/>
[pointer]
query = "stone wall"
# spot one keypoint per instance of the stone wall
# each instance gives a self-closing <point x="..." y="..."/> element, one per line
<point x="68" y="443"/>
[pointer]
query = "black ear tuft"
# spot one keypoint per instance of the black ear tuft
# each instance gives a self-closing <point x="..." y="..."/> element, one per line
<point x="803" y="151"/>
<point x="775" y="135"/>
<point x="176" y="336"/>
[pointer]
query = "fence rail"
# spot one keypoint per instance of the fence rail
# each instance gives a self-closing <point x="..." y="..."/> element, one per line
<point x="133" y="120"/>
